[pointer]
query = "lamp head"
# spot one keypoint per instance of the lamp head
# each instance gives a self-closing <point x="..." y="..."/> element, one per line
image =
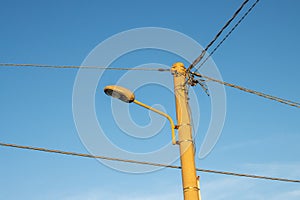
<point x="120" y="93"/>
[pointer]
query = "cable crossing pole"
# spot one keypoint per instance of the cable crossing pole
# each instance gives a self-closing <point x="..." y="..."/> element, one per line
<point x="191" y="190"/>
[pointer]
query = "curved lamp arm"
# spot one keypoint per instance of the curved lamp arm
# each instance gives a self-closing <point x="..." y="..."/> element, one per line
<point x="127" y="96"/>
<point x="161" y="113"/>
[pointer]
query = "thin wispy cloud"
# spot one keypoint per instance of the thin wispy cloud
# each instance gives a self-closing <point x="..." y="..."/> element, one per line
<point x="131" y="195"/>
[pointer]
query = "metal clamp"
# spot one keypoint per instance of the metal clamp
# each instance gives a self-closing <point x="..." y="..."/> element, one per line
<point x="179" y="125"/>
<point x="190" y="188"/>
<point x="179" y="142"/>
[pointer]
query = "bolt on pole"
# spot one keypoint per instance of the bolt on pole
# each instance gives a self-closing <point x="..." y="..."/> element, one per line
<point x="191" y="190"/>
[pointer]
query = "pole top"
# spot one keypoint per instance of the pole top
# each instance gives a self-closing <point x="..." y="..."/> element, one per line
<point x="179" y="67"/>
<point x="178" y="64"/>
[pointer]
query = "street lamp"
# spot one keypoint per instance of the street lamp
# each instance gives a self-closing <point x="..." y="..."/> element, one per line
<point x="190" y="182"/>
<point x="127" y="96"/>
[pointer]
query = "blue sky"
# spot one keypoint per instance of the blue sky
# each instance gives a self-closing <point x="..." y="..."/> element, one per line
<point x="259" y="136"/>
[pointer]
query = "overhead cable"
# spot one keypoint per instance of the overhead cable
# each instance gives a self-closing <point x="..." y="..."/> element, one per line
<point x="284" y="101"/>
<point x="200" y="57"/>
<point x="267" y="96"/>
<point x="228" y="34"/>
<point x="144" y="163"/>
<point x="81" y="67"/>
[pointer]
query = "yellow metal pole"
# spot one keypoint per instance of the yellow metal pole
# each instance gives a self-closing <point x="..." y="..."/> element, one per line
<point x="185" y="140"/>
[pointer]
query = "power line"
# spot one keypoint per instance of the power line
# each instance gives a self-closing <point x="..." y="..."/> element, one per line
<point x="81" y="67"/>
<point x="284" y="101"/>
<point x="144" y="163"/>
<point x="249" y="176"/>
<point x="267" y="96"/>
<point x="228" y="34"/>
<point x="199" y="58"/>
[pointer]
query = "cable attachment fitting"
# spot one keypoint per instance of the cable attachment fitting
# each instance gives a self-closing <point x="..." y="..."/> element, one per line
<point x="201" y="81"/>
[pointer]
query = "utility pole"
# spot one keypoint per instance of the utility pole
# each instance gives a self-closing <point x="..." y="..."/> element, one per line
<point x="191" y="190"/>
